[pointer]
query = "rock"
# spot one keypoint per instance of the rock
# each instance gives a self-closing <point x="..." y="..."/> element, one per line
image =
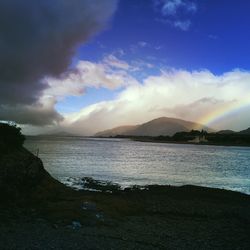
<point x="100" y="217"/>
<point x="55" y="226"/>
<point x="89" y="206"/>
<point x="76" y="225"/>
<point x="22" y="176"/>
<point x="20" y="168"/>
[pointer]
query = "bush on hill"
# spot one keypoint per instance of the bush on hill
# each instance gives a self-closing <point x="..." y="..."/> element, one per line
<point x="10" y="137"/>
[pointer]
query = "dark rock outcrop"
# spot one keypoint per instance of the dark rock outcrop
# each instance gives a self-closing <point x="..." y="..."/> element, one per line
<point x="20" y="169"/>
<point x="23" y="177"/>
<point x="20" y="172"/>
<point x="245" y="132"/>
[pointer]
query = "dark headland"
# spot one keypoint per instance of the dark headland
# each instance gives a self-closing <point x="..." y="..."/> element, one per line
<point x="38" y="212"/>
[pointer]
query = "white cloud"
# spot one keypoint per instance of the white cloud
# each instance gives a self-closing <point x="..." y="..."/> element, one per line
<point x="173" y="93"/>
<point x="171" y="7"/>
<point x="143" y="44"/>
<point x="113" y="61"/>
<point x="183" y="25"/>
<point x="177" y="93"/>
<point x="172" y="12"/>
<point x="111" y="73"/>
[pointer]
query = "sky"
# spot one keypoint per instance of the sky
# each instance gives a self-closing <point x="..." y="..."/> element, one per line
<point x="83" y="66"/>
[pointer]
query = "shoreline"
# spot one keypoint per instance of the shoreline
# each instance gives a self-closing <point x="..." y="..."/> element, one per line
<point x="160" y="217"/>
<point x="142" y="139"/>
<point x="88" y="183"/>
<point x="192" y="143"/>
<point x="151" y="139"/>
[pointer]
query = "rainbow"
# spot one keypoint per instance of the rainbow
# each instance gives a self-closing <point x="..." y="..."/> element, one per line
<point x="224" y="110"/>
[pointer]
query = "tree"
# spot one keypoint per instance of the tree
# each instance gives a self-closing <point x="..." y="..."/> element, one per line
<point x="10" y="137"/>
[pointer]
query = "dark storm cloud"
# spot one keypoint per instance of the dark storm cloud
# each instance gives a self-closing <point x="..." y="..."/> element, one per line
<point x="39" y="37"/>
<point x="37" y="114"/>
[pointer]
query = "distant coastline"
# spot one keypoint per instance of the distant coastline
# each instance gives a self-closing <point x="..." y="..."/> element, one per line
<point x="144" y="139"/>
<point x="172" y="130"/>
<point x="157" y="140"/>
<point x="191" y="143"/>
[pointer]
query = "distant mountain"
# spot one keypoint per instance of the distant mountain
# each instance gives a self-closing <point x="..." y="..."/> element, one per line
<point x="122" y="130"/>
<point x="226" y="132"/>
<point x="58" y="134"/>
<point x="245" y="132"/>
<point x="160" y="126"/>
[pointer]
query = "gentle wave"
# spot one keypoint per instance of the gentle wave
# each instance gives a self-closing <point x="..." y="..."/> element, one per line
<point x="138" y="163"/>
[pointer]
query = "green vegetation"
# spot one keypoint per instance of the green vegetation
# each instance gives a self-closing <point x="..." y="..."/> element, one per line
<point x="204" y="137"/>
<point x="10" y="137"/>
<point x="241" y="138"/>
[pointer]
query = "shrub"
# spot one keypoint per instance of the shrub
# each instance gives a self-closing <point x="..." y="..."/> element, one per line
<point x="10" y="137"/>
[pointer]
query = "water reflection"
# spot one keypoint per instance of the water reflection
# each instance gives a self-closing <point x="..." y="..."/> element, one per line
<point x="128" y="162"/>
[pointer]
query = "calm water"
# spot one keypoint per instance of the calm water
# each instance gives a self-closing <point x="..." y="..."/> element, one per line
<point x="128" y="162"/>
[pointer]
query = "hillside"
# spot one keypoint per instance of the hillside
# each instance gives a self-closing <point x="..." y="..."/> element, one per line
<point x="226" y="132"/>
<point x="160" y="126"/>
<point x="245" y="132"/>
<point x="122" y="130"/>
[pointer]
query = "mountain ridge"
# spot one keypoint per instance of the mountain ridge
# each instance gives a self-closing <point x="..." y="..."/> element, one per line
<point x="156" y="127"/>
<point x="245" y="131"/>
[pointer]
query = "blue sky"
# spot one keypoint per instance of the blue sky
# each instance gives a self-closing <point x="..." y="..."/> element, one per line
<point x="216" y="39"/>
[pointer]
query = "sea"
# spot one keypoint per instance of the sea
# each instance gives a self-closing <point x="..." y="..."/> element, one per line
<point x="128" y="162"/>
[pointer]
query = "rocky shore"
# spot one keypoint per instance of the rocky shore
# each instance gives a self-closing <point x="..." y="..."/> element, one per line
<point x="38" y="212"/>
